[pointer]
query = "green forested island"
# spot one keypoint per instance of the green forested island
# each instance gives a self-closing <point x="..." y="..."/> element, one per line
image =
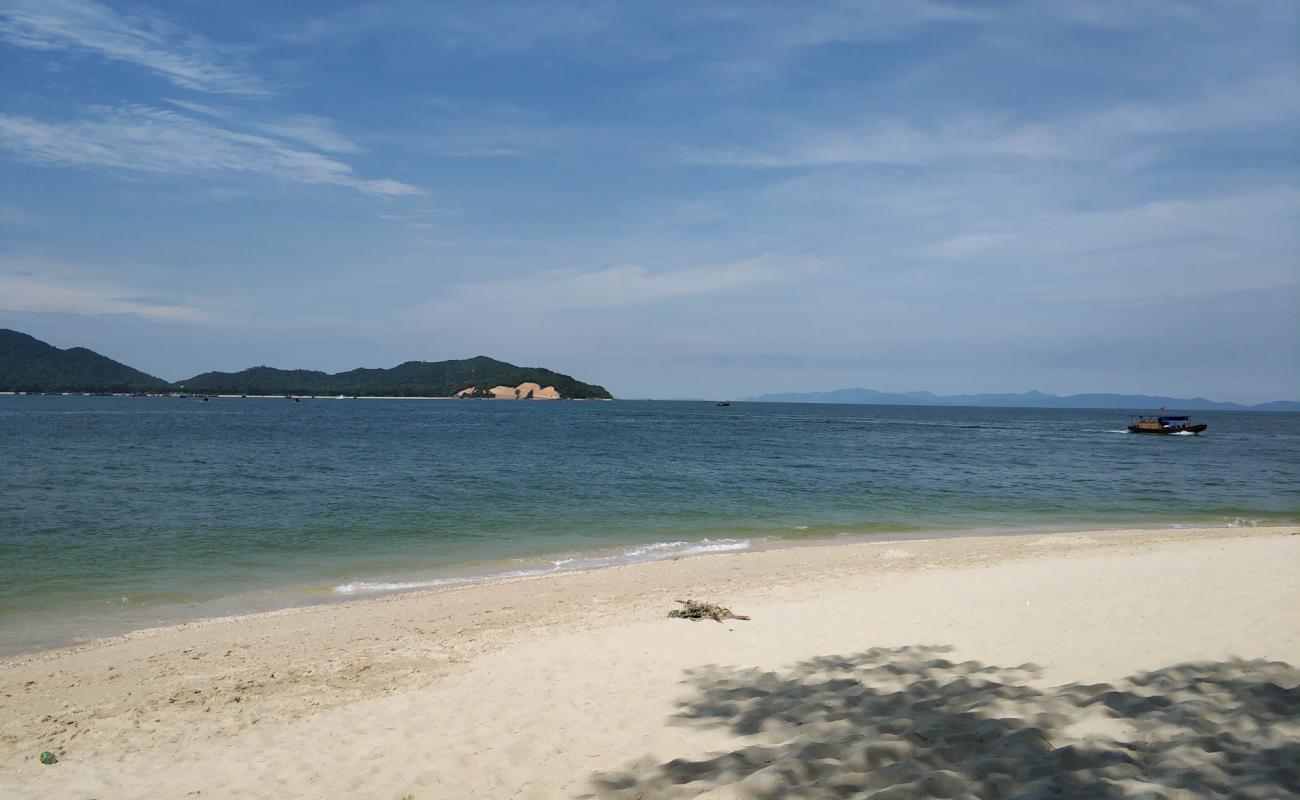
<point x="30" y="365"/>
<point x="412" y="379"/>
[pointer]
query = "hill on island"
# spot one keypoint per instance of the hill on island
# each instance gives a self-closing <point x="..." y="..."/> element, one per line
<point x="412" y="379"/>
<point x="1021" y="400"/>
<point x="29" y="365"/>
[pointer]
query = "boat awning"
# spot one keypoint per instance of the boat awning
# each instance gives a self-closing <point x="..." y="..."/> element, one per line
<point x="1174" y="419"/>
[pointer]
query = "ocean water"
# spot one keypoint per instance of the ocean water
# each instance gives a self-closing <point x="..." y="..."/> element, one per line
<point x="122" y="513"/>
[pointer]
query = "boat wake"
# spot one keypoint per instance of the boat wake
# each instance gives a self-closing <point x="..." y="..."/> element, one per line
<point x="656" y="551"/>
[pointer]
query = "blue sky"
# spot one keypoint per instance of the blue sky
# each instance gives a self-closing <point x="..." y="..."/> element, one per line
<point x="673" y="199"/>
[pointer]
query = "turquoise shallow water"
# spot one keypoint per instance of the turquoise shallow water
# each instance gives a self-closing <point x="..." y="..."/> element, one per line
<point x="118" y="513"/>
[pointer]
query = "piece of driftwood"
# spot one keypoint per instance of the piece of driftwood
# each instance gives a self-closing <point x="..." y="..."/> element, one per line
<point x="696" y="611"/>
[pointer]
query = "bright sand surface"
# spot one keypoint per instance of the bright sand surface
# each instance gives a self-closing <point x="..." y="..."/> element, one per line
<point x="949" y="668"/>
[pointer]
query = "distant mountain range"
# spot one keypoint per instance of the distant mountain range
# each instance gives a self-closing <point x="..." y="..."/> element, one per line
<point x="1022" y="400"/>
<point x="29" y="365"/>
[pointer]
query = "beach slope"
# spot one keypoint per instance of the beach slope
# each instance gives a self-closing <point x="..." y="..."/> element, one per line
<point x="1126" y="660"/>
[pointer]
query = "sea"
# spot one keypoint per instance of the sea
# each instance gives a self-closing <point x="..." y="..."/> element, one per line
<point x="124" y="513"/>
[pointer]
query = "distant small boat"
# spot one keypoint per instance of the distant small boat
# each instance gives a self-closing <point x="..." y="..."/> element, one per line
<point x="722" y="403"/>
<point x="1165" y="424"/>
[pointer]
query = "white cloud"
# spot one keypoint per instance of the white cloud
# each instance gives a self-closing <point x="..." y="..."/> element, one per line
<point x="184" y="59"/>
<point x="22" y="291"/>
<point x="146" y="139"/>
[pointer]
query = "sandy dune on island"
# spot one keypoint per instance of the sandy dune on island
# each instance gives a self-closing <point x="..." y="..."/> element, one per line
<point x="1111" y="664"/>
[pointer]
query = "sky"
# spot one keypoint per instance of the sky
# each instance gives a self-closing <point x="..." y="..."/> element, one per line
<point x="710" y="199"/>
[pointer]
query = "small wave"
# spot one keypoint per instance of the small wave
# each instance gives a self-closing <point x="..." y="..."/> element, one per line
<point x="1239" y="522"/>
<point x="656" y="547"/>
<point x="658" y="550"/>
<point x="375" y="587"/>
<point x="655" y="551"/>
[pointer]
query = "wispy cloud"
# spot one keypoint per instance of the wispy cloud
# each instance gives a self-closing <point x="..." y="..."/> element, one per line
<point x="146" y="139"/>
<point x="423" y="221"/>
<point x="474" y="28"/>
<point x="475" y="128"/>
<point x="1185" y="248"/>
<point x="589" y="27"/>
<point x="610" y="288"/>
<point x="487" y="138"/>
<point x="775" y="28"/>
<point x="23" y="291"/>
<point x="1135" y="131"/>
<point x="309" y="129"/>
<point x="887" y="141"/>
<point x="968" y="245"/>
<point x="184" y="59"/>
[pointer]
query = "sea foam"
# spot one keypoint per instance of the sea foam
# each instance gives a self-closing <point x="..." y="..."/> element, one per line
<point x="655" y="551"/>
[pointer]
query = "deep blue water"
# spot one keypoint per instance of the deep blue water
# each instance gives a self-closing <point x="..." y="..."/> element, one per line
<point x="118" y="512"/>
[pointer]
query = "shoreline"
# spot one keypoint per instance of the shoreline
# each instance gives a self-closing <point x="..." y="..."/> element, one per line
<point x="538" y="688"/>
<point x="303" y="597"/>
<point x="1069" y="537"/>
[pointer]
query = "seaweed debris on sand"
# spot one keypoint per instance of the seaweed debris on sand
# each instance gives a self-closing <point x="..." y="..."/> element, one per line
<point x="696" y="611"/>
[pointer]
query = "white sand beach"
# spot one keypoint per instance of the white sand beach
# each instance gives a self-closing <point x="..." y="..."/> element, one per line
<point x="1098" y="664"/>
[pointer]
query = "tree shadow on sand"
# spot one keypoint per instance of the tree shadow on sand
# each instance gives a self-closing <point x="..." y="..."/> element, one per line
<point x="907" y="723"/>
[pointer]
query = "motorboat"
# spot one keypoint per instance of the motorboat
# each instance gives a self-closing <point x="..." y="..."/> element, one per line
<point x="1165" y="424"/>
